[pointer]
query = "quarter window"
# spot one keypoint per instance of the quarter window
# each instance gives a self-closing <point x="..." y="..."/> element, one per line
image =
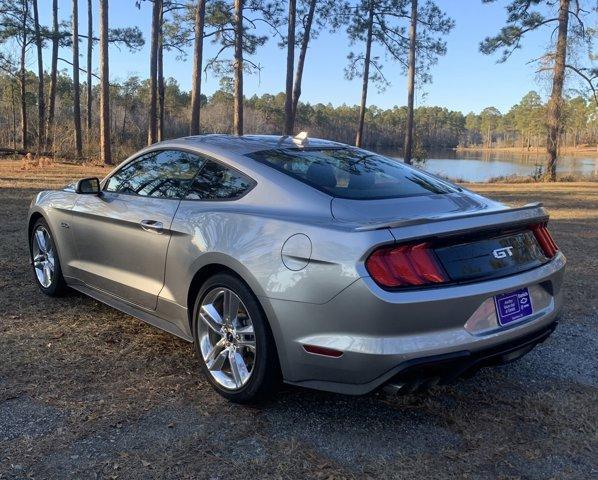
<point x="218" y="182"/>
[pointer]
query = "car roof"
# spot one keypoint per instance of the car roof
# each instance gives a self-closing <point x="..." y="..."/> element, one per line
<point x="242" y="145"/>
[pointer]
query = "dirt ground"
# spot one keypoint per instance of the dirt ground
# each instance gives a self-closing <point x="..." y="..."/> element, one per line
<point x="89" y="392"/>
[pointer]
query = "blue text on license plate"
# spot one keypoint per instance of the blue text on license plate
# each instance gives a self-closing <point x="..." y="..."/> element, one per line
<point x="513" y="306"/>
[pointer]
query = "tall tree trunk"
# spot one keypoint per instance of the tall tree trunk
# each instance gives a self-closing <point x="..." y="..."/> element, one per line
<point x="411" y="84"/>
<point x="76" y="85"/>
<point x="89" y="62"/>
<point x="123" y="127"/>
<point x="238" y="64"/>
<point x="366" y="76"/>
<point x="23" y="77"/>
<point x="301" y="61"/>
<point x="41" y="104"/>
<point x="105" y="150"/>
<point x="53" y="78"/>
<point x="160" y="78"/>
<point x="14" y="115"/>
<point x="288" y="100"/>
<point x="555" y="103"/>
<point x="200" y="14"/>
<point x="153" y="125"/>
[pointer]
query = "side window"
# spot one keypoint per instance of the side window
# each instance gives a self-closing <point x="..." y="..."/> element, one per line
<point x="160" y="174"/>
<point x="218" y="182"/>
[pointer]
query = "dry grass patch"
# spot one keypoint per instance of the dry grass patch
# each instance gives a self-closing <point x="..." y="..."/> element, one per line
<point x="88" y="392"/>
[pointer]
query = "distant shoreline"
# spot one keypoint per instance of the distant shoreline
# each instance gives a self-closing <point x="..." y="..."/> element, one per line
<point x="579" y="151"/>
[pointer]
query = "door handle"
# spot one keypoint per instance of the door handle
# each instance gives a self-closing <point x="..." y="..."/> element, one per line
<point x="152" y="226"/>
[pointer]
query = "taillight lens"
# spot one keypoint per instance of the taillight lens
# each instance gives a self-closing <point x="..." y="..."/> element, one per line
<point x="545" y="240"/>
<point x="405" y="266"/>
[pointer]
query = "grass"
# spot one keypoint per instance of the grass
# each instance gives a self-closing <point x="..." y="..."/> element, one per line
<point x="86" y="391"/>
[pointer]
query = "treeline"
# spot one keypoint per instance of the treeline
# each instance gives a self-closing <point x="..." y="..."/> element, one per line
<point x="50" y="112"/>
<point x="525" y="124"/>
<point x="405" y="31"/>
<point x="436" y="127"/>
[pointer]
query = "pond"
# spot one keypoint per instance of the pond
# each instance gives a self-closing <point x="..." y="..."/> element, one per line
<point x="481" y="166"/>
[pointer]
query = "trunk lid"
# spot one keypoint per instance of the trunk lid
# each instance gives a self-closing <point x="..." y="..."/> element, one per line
<point x="472" y="238"/>
<point x="496" y="254"/>
<point x="399" y="210"/>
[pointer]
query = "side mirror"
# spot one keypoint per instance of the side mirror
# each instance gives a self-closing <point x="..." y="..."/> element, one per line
<point x="88" y="186"/>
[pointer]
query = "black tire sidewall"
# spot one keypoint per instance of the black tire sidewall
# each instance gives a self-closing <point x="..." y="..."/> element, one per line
<point x="265" y="376"/>
<point x="58" y="285"/>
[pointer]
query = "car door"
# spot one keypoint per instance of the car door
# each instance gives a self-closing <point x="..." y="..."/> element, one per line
<point x="122" y="235"/>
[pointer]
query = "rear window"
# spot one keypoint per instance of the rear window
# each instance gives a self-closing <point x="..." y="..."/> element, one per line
<point x="352" y="173"/>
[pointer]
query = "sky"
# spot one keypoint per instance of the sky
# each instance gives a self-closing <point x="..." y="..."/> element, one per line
<point x="464" y="79"/>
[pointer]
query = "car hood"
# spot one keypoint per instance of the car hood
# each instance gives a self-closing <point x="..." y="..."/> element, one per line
<point x="393" y="210"/>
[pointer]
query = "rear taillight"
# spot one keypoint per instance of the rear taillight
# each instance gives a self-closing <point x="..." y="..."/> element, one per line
<point x="405" y="266"/>
<point x="545" y="240"/>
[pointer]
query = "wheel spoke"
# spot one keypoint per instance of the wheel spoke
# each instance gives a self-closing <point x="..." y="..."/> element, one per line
<point x="38" y="261"/>
<point x="50" y="257"/>
<point x="230" y="307"/>
<point x="237" y="367"/>
<point x="246" y="330"/>
<point x="246" y="343"/>
<point x="40" y="239"/>
<point x="216" y="350"/>
<point x="218" y="362"/>
<point x="47" y="241"/>
<point x="47" y="274"/>
<point x="210" y="316"/>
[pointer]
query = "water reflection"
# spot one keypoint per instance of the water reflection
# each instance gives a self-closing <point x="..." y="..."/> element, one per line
<point x="481" y="166"/>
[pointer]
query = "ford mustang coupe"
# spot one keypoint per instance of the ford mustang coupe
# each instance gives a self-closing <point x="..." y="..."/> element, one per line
<point x="306" y="261"/>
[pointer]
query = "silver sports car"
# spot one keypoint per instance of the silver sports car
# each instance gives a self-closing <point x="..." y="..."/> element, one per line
<point x="306" y="261"/>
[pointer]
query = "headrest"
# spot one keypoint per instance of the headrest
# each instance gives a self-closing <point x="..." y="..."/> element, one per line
<point x="361" y="181"/>
<point x="322" y="175"/>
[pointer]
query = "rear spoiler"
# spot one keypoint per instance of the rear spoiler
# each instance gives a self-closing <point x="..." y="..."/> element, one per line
<point x="540" y="215"/>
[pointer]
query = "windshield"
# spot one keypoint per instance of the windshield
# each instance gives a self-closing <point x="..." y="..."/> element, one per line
<point x="352" y="173"/>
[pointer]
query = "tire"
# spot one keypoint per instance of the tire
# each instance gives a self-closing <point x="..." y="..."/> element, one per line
<point x="44" y="255"/>
<point x="238" y="331"/>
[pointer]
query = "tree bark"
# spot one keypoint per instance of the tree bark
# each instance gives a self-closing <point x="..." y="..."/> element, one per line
<point x="160" y="77"/>
<point x="366" y="76"/>
<point x="76" y="85"/>
<point x="153" y="126"/>
<point x="89" y="62"/>
<point x="408" y="153"/>
<point x="238" y="65"/>
<point x="53" y="78"/>
<point x="555" y="103"/>
<point x="288" y="101"/>
<point x="105" y="150"/>
<point x="41" y="104"/>
<point x="301" y="60"/>
<point x="14" y="115"/>
<point x="200" y="14"/>
<point x="23" y="78"/>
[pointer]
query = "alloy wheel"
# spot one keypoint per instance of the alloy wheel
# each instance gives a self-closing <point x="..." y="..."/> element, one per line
<point x="226" y="338"/>
<point x="44" y="259"/>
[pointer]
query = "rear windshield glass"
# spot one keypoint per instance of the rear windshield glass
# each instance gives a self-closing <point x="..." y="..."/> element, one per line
<point x="352" y="173"/>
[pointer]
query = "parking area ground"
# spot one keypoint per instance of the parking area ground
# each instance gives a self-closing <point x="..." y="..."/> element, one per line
<point x="89" y="392"/>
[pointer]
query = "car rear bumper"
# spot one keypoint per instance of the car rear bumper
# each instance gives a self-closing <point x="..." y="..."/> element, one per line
<point x="382" y="334"/>
<point x="425" y="372"/>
